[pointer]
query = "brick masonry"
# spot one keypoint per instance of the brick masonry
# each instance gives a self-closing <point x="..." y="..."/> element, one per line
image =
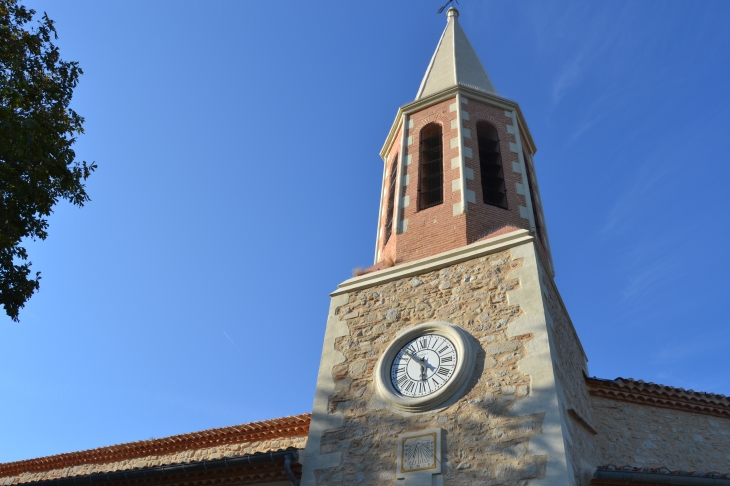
<point x="430" y="231"/>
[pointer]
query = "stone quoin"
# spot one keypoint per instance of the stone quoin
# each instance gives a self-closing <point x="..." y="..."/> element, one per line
<point x="452" y="360"/>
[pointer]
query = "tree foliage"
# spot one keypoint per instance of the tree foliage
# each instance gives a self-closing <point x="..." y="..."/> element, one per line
<point x="38" y="166"/>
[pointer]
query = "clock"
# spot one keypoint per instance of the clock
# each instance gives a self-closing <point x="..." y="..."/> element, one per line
<point x="425" y="366"/>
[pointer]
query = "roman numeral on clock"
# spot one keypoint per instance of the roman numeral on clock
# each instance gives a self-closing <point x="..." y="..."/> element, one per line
<point x="443" y="371"/>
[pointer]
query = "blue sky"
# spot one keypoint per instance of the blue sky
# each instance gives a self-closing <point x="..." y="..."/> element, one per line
<point x="239" y="178"/>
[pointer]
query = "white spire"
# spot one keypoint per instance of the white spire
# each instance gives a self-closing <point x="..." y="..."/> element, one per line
<point x="454" y="63"/>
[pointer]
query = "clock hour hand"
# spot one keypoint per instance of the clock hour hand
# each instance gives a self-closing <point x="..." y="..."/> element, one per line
<point x="420" y="361"/>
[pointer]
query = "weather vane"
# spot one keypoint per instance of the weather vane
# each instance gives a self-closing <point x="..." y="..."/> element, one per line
<point x="447" y="4"/>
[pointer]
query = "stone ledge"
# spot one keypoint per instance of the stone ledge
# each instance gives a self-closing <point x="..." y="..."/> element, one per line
<point x="417" y="267"/>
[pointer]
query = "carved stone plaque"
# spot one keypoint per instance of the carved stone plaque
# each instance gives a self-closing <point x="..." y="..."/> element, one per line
<point x="419" y="452"/>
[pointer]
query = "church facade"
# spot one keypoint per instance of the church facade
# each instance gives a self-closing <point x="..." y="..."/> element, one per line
<point x="452" y="360"/>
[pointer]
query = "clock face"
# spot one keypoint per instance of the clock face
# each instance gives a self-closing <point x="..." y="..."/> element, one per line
<point x="423" y="366"/>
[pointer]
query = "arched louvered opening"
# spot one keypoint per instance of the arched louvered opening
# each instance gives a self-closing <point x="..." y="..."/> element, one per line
<point x="391" y="200"/>
<point x="494" y="191"/>
<point x="431" y="167"/>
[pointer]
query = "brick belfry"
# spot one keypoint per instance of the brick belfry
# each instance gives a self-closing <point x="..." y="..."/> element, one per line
<point x="453" y="360"/>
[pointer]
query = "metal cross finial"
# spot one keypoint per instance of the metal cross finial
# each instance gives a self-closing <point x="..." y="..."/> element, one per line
<point x="447" y="4"/>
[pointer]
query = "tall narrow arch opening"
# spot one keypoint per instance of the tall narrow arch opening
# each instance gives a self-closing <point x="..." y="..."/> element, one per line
<point x="431" y="167"/>
<point x="494" y="190"/>
<point x="391" y="200"/>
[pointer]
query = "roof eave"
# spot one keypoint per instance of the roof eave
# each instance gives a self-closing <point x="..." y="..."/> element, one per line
<point x="449" y="93"/>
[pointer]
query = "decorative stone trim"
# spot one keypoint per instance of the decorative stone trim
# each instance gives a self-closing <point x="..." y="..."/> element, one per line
<point x="401" y="225"/>
<point x="459" y="184"/>
<point x="654" y="395"/>
<point x="322" y="419"/>
<point x="519" y="167"/>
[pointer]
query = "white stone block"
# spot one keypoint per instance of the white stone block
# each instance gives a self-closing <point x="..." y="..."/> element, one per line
<point x="454" y="142"/>
<point x="467" y="152"/>
<point x="510" y="129"/>
<point x="514" y="148"/>
<point x="454" y="124"/>
<point x="469" y="173"/>
<point x="409" y="158"/>
<point x="455" y="162"/>
<point x="452" y="107"/>
<point x="524" y="213"/>
<point x="456" y="209"/>
<point x="410" y="140"/>
<point x="470" y="196"/>
<point x="405" y="201"/>
<point x="403" y="226"/>
<point x="406" y="179"/>
<point x="467" y="133"/>
<point x="456" y="185"/>
<point x="516" y="167"/>
<point x="465" y="115"/>
<point x="410" y="123"/>
<point x="520" y="188"/>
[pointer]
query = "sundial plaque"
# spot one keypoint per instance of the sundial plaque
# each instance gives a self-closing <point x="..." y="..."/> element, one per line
<point x="419" y="453"/>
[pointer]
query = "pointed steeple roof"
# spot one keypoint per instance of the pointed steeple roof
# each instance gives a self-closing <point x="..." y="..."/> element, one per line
<point x="454" y="63"/>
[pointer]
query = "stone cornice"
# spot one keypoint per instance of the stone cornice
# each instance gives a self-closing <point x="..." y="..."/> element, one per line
<point x="435" y="262"/>
<point x="467" y="92"/>
<point x="654" y="395"/>
<point x="294" y="426"/>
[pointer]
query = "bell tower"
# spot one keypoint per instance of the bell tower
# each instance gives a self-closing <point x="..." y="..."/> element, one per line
<point x="453" y="360"/>
<point x="458" y="162"/>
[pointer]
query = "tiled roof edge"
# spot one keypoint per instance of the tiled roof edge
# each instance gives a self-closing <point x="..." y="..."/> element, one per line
<point x="665" y="471"/>
<point x="191" y="467"/>
<point x="292" y="426"/>
<point x="655" y="395"/>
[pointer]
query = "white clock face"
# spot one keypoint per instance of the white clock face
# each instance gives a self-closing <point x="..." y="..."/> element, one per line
<point x="423" y="366"/>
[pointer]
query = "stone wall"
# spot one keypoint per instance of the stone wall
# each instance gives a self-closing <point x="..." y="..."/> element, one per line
<point x="640" y="435"/>
<point x="207" y="454"/>
<point x="570" y="369"/>
<point x="484" y="442"/>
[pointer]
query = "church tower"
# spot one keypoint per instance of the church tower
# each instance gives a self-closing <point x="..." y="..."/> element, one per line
<point x="458" y="162"/>
<point x="453" y="360"/>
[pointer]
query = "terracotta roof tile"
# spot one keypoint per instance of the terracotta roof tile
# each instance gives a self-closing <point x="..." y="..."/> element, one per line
<point x="293" y="426"/>
<point x="655" y="395"/>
